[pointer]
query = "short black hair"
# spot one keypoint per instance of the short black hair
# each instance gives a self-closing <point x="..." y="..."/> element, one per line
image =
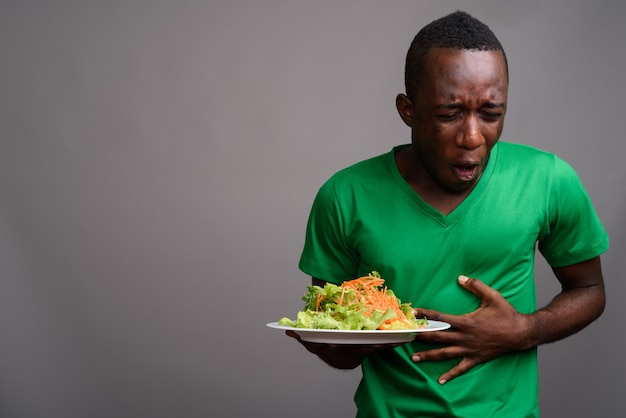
<point x="459" y="31"/>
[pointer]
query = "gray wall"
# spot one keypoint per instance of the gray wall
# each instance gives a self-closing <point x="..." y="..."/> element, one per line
<point x="158" y="160"/>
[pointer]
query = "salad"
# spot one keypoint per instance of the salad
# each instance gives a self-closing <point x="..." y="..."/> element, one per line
<point x="360" y="304"/>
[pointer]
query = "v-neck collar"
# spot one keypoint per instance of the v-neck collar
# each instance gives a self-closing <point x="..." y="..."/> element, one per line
<point x="463" y="207"/>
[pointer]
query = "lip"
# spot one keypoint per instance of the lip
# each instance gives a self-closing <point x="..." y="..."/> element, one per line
<point x="466" y="171"/>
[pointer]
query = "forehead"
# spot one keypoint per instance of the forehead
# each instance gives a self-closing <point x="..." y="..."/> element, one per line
<point x="471" y="71"/>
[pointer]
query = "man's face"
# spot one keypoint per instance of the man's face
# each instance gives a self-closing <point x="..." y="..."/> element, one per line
<point x="457" y="116"/>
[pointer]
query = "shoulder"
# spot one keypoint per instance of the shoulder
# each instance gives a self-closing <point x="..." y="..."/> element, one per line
<point x="512" y="150"/>
<point x="377" y="162"/>
<point x="366" y="179"/>
<point x="362" y="172"/>
<point x="532" y="159"/>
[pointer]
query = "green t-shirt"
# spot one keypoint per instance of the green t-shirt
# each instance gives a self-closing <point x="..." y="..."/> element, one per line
<point x="366" y="217"/>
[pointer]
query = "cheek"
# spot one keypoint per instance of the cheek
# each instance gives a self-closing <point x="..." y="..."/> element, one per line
<point x="492" y="133"/>
<point x="500" y="127"/>
<point x="498" y="133"/>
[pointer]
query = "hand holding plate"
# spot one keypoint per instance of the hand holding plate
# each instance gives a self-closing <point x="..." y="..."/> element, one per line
<point x="341" y="356"/>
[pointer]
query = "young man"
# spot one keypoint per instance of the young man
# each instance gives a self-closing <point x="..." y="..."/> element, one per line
<point x="456" y="203"/>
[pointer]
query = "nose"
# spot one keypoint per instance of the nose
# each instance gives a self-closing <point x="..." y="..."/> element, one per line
<point x="470" y="136"/>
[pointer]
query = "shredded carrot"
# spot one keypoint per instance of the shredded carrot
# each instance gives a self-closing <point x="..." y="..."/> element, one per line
<point x="373" y="295"/>
<point x="318" y="301"/>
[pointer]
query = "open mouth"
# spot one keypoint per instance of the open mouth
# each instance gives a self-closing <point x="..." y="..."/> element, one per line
<point x="465" y="172"/>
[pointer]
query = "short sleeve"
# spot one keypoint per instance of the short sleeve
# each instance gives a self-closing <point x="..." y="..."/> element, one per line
<point x="575" y="231"/>
<point x="327" y="253"/>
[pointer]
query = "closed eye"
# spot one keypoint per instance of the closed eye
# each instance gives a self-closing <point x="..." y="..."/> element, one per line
<point x="491" y="116"/>
<point x="492" y="111"/>
<point x="448" y="117"/>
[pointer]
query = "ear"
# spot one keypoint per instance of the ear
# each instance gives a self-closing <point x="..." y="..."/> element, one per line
<point x="405" y="109"/>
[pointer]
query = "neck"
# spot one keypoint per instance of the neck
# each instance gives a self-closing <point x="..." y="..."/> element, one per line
<point x="426" y="186"/>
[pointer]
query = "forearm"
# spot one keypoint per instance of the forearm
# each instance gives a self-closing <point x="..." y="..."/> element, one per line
<point x="569" y="312"/>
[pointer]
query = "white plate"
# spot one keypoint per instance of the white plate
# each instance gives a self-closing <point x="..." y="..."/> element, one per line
<point x="336" y="336"/>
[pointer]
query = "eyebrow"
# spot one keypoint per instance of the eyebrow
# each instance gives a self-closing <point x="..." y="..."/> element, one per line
<point x="494" y="104"/>
<point x="451" y="106"/>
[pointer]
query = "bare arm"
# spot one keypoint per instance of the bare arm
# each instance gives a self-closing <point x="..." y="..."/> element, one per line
<point x="496" y="328"/>
<point x="581" y="301"/>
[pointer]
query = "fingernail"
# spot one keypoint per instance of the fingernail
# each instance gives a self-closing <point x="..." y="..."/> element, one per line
<point x="463" y="279"/>
<point x="417" y="359"/>
<point x="442" y="381"/>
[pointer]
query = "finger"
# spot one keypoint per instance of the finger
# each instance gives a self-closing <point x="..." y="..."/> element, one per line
<point x="293" y="334"/>
<point x="461" y="368"/>
<point x="432" y="314"/>
<point x="455" y="321"/>
<point x="447" y="337"/>
<point x="443" y="353"/>
<point x="477" y="287"/>
<point x="314" y="348"/>
<point x="422" y="312"/>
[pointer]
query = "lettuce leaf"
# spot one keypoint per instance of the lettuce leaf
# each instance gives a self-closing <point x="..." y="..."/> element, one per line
<point x="323" y="310"/>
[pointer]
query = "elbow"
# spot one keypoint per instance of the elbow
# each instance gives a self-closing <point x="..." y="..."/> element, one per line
<point x="598" y="305"/>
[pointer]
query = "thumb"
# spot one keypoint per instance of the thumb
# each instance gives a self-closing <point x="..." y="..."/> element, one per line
<point x="477" y="287"/>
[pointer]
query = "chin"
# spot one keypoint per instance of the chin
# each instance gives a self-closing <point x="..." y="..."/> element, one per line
<point x="459" y="187"/>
